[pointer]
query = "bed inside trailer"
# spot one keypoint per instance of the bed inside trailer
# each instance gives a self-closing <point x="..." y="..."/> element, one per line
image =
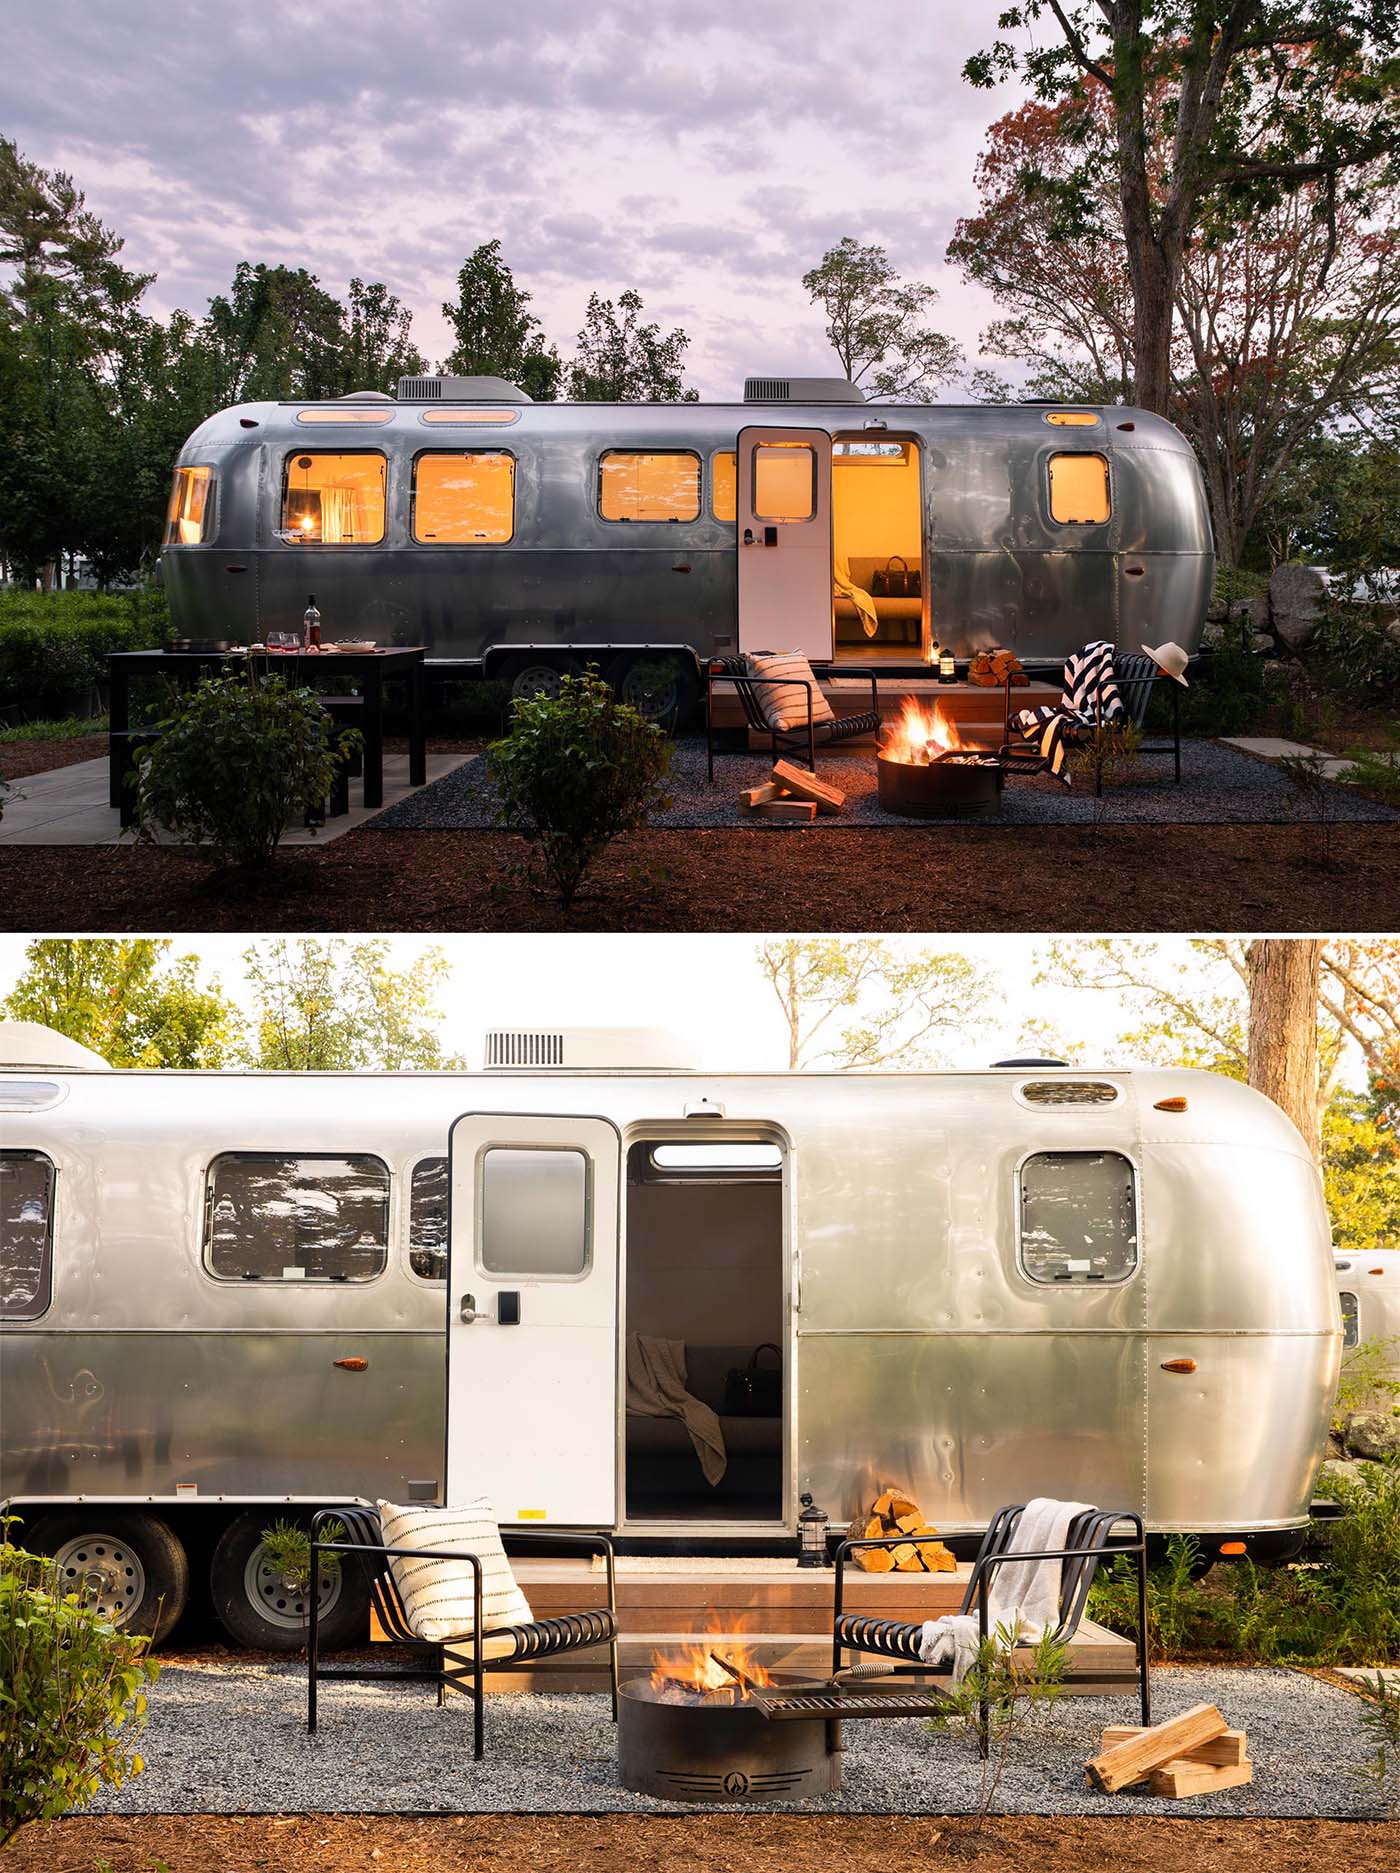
<point x="704" y="1230"/>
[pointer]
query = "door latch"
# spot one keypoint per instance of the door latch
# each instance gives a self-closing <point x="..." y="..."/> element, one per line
<point x="468" y="1311"/>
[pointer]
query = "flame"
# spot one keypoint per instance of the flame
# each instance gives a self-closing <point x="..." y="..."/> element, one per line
<point x="919" y="734"/>
<point x="692" y="1668"/>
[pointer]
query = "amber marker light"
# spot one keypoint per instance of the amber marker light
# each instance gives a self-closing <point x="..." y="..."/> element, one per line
<point x="1178" y="1365"/>
<point x="1174" y="1104"/>
<point x="1232" y="1547"/>
<point x="351" y="1365"/>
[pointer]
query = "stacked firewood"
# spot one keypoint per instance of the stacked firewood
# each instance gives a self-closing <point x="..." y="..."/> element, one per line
<point x="893" y="1514"/>
<point x="1193" y="1754"/>
<point x="794" y="795"/>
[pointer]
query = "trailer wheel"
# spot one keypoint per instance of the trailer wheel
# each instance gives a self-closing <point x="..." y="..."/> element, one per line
<point x="537" y="676"/>
<point x="260" y="1609"/>
<point x="661" y="688"/>
<point x="127" y="1564"/>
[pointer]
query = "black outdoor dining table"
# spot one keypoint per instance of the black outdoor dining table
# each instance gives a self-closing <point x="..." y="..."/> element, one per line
<point x="370" y="670"/>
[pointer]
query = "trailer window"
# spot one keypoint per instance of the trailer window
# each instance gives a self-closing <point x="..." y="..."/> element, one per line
<point x="189" y="519"/>
<point x="26" y="1233"/>
<point x="465" y="499"/>
<point x="784" y="481"/>
<point x="1351" y="1319"/>
<point x="427" y="1220"/>
<point x="534" y="1212"/>
<point x="296" y="1217"/>
<point x="1079" y="489"/>
<point x="1078" y="1217"/>
<point x="637" y="484"/>
<point x="334" y="500"/>
<point x="724" y="485"/>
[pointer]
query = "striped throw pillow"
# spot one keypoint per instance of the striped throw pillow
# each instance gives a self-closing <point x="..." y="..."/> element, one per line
<point x="786" y="706"/>
<point x="437" y="1595"/>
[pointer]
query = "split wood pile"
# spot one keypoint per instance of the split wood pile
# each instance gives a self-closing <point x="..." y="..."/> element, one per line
<point x="897" y="1517"/>
<point x="1193" y="1754"/>
<point x="793" y="794"/>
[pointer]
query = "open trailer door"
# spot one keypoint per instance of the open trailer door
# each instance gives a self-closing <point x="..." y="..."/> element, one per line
<point x="784" y="530"/>
<point x="532" y="1316"/>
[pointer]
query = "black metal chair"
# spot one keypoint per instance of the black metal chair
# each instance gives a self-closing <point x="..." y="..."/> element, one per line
<point x="785" y="741"/>
<point x="1135" y="675"/>
<point x="456" y="1663"/>
<point x="1087" y="1543"/>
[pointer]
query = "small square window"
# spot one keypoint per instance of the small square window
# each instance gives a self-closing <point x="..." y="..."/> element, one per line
<point x="1079" y="489"/>
<point x="534" y="1212"/>
<point x="640" y="484"/>
<point x="464" y="500"/>
<point x="1078" y="1221"/>
<point x="784" y="481"/>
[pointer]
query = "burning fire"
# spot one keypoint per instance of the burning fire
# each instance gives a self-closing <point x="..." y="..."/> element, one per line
<point x="696" y="1668"/>
<point x="920" y="734"/>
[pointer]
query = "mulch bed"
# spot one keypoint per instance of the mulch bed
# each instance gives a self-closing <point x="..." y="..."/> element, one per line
<point x="757" y="1843"/>
<point x="19" y="758"/>
<point x="1118" y="878"/>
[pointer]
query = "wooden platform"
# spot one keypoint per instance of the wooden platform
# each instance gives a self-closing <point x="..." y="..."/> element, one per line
<point x="784" y="1618"/>
<point x="976" y="711"/>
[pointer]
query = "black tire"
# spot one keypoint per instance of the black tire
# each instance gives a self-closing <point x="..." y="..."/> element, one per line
<point x="540" y="675"/>
<point x="663" y="688"/>
<point x="258" y="1610"/>
<point x="128" y="1562"/>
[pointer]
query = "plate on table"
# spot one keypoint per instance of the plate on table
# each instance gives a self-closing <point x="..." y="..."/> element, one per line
<point x="354" y="643"/>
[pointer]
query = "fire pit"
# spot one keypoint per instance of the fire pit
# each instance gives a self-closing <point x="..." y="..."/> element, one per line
<point x="694" y="1732"/>
<point x="925" y="771"/>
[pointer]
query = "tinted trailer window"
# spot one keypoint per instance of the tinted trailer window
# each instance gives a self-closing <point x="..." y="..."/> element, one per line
<point x="275" y="1217"/>
<point x="1078" y="1216"/>
<point x="26" y="1233"/>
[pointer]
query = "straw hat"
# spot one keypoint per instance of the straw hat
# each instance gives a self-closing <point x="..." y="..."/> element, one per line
<point x="1171" y="660"/>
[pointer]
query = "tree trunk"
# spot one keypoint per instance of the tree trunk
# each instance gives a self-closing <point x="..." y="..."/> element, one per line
<point x="1284" y="979"/>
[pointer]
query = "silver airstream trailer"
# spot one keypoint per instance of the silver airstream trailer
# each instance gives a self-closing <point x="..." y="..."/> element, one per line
<point x="232" y="1295"/>
<point x="519" y="539"/>
<point x="1368" y="1288"/>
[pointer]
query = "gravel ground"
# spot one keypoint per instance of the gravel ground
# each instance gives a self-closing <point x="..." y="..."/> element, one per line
<point x="1219" y="786"/>
<point x="232" y="1739"/>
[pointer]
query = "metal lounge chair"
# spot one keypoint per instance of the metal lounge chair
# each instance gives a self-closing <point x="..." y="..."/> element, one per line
<point x="459" y="1663"/>
<point x="784" y="741"/>
<point x="1135" y="674"/>
<point x="1087" y="1542"/>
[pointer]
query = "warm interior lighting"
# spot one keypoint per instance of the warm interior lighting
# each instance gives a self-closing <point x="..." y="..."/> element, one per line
<point x="464" y="500"/>
<point x="637" y="484"/>
<point x="724" y="485"/>
<point x="784" y="481"/>
<point x="347" y="413"/>
<point x="1079" y="489"/>
<point x="919" y="734"/>
<point x="335" y="500"/>
<point x="1071" y="419"/>
<point x="455" y="415"/>
<point x="189" y="506"/>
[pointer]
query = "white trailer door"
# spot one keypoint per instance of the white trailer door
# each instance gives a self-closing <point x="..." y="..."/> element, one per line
<point x="784" y="530"/>
<point x="532" y="1316"/>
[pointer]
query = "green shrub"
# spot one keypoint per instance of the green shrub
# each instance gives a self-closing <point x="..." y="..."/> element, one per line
<point x="234" y="762"/>
<point x="1381" y="1718"/>
<point x="575" y="771"/>
<point x="52" y="643"/>
<point x="1358" y="654"/>
<point x="72" y="1695"/>
<point x="1227" y="693"/>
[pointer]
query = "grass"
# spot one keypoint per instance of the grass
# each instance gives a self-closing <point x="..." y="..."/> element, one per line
<point x="60" y="728"/>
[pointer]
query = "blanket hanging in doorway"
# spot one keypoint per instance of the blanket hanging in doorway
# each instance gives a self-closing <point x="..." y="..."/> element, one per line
<point x="846" y="587"/>
<point x="1090" y="698"/>
<point x="656" y="1378"/>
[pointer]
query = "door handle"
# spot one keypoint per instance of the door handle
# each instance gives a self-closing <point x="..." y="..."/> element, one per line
<point x="468" y="1310"/>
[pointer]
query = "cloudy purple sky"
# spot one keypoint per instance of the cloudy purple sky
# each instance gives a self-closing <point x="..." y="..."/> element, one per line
<point x="706" y="155"/>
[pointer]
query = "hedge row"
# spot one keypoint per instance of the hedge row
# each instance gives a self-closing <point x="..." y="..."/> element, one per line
<point x="54" y="645"/>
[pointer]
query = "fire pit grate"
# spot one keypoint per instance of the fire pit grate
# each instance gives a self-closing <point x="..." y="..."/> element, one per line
<point x="836" y="1701"/>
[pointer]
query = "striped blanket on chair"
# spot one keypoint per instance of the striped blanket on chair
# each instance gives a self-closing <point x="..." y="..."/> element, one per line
<point x="1090" y="697"/>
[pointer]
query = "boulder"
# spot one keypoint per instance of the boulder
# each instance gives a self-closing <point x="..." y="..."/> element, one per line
<point x="1262" y="644"/>
<point x="1296" y="595"/>
<point x="1373" y="1434"/>
<point x="1348" y="1470"/>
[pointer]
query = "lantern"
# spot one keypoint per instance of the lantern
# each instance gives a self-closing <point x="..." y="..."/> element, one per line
<point x="947" y="666"/>
<point x="811" y="1535"/>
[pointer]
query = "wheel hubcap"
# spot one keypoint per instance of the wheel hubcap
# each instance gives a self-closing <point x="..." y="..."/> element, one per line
<point x="653" y="694"/>
<point x="282" y="1602"/>
<point x="105" y="1573"/>
<point x="540" y="679"/>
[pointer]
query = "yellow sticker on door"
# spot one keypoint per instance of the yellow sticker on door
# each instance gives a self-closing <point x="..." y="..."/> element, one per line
<point x="532" y="1515"/>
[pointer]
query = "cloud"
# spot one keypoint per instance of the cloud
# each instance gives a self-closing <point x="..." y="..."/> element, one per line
<point x="705" y="156"/>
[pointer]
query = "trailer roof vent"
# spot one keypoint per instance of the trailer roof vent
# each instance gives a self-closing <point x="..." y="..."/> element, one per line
<point x="802" y="390"/>
<point x="461" y="390"/>
<point x="365" y="396"/>
<point x="26" y="1044"/>
<point x="584" y="1050"/>
<point x="1031" y="1060"/>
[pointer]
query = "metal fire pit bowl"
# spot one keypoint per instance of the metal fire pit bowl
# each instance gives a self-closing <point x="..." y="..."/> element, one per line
<point x="721" y="1748"/>
<point x="958" y="786"/>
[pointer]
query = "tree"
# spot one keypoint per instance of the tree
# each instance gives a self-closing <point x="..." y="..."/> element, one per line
<point x="336" y="1007"/>
<point x="1360" y="1172"/>
<point x="59" y="250"/>
<point x="1269" y="344"/>
<point x="852" y="1003"/>
<point x="874" y="321"/>
<point x="122" y="997"/>
<point x="497" y="335"/>
<point x="620" y="360"/>
<point x="277" y="333"/>
<point x="378" y="347"/>
<point x="1219" y="109"/>
<point x="1284" y="977"/>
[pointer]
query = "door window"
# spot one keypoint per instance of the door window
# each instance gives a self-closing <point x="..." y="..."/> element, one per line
<point x="26" y="1233"/>
<point x="1078" y="1218"/>
<point x="534" y="1212"/>
<point x="784" y="481"/>
<point x="271" y="1216"/>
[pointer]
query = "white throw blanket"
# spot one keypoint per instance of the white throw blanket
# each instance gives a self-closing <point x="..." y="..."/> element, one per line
<point x="1022" y="1596"/>
<point x="656" y="1388"/>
